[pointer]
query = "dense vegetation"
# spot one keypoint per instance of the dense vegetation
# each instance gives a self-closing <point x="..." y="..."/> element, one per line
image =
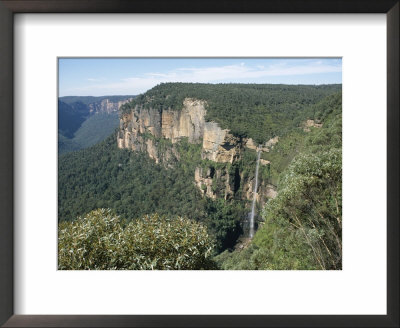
<point x="299" y="229"/>
<point x="130" y="183"/>
<point x="259" y="111"/>
<point x="66" y="145"/>
<point x="71" y="117"/>
<point x="302" y="226"/>
<point x="93" y="130"/>
<point x="328" y="111"/>
<point x="101" y="240"/>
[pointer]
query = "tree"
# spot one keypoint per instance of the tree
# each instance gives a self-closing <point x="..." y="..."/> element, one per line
<point x="307" y="212"/>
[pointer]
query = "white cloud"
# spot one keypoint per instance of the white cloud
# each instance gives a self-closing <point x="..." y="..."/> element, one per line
<point x="229" y="73"/>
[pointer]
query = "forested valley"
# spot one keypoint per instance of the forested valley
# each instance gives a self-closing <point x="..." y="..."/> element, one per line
<point x="85" y="121"/>
<point x="178" y="195"/>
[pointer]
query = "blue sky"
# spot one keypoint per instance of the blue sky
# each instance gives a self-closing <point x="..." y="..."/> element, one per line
<point x="131" y="76"/>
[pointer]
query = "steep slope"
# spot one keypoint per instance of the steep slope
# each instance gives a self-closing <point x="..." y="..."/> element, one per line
<point x="104" y="124"/>
<point x="174" y="159"/>
<point x="84" y="121"/>
<point x="71" y="117"/>
<point x="155" y="123"/>
<point x="302" y="226"/>
<point x="133" y="185"/>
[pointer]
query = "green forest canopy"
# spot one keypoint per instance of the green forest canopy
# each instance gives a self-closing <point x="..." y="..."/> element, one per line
<point x="259" y="111"/>
<point x="133" y="186"/>
<point x="302" y="226"/>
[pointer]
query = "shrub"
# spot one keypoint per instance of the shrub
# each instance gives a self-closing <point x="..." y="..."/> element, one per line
<point x="102" y="241"/>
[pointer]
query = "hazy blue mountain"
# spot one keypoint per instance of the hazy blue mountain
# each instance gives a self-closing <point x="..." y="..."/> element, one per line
<point x="90" y="100"/>
<point x="84" y="121"/>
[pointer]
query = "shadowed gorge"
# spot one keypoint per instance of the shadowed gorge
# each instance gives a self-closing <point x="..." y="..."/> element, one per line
<point x="85" y="121"/>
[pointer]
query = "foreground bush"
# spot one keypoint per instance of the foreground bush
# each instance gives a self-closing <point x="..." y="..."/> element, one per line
<point x="303" y="224"/>
<point x="101" y="241"/>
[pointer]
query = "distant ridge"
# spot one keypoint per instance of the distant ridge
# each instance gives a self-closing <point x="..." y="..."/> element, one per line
<point x="91" y="99"/>
<point x="85" y="121"/>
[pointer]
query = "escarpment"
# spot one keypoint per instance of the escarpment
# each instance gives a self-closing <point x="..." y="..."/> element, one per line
<point x="107" y="106"/>
<point x="218" y="172"/>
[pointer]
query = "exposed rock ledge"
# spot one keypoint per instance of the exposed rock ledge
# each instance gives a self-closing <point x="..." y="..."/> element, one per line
<point x="142" y="129"/>
<point x="135" y="128"/>
<point x="311" y="124"/>
<point x="264" y="147"/>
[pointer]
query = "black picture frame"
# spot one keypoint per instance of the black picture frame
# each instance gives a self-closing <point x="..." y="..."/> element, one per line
<point x="7" y="10"/>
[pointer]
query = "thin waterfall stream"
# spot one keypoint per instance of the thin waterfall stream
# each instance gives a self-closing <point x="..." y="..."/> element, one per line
<point x="253" y="205"/>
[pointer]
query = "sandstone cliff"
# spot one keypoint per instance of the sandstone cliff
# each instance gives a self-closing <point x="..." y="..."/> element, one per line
<point x="136" y="127"/>
<point x="145" y="129"/>
<point x="107" y="106"/>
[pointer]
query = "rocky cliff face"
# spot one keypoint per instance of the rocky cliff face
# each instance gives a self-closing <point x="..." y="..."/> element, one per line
<point x="219" y="145"/>
<point x="144" y="129"/>
<point x="168" y="124"/>
<point x="136" y="127"/>
<point x="107" y="106"/>
<point x="141" y="128"/>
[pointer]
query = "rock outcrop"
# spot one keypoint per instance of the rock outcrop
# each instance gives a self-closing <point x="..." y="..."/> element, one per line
<point x="219" y="145"/>
<point x="107" y="106"/>
<point x="204" y="182"/>
<point x="263" y="147"/>
<point x="311" y="124"/>
<point x="264" y="162"/>
<point x="265" y="191"/>
<point x="214" y="183"/>
<point x="144" y="129"/>
<point x="141" y="124"/>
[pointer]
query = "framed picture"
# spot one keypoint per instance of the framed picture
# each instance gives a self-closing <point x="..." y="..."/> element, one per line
<point x="186" y="168"/>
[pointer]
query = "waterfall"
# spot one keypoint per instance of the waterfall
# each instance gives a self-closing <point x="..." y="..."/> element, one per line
<point x="253" y="205"/>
